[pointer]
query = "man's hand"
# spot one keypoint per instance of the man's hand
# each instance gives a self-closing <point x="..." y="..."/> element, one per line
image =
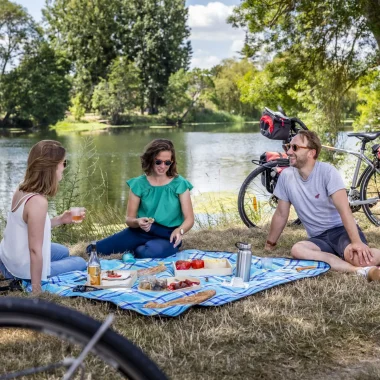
<point x="363" y="252"/>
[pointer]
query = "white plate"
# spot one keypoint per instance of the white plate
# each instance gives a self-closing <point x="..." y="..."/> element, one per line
<point x="123" y="276"/>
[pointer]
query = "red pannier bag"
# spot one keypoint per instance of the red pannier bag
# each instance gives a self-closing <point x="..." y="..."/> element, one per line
<point x="267" y="179"/>
<point x="274" y="125"/>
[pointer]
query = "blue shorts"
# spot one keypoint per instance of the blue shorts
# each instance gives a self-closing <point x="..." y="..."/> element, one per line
<point x="335" y="240"/>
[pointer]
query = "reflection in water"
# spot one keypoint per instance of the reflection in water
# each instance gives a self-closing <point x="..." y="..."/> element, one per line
<point x="214" y="158"/>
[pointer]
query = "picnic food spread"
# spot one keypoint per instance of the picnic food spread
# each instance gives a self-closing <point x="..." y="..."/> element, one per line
<point x="153" y="283"/>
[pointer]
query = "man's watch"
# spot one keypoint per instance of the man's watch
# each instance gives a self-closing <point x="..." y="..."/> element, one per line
<point x="271" y="243"/>
<point x="181" y="231"/>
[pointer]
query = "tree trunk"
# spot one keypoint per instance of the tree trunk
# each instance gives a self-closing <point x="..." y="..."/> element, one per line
<point x="4" y="122"/>
<point x="371" y="10"/>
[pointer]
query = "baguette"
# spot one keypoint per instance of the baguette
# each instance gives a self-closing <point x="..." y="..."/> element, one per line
<point x="187" y="300"/>
<point x="150" y="271"/>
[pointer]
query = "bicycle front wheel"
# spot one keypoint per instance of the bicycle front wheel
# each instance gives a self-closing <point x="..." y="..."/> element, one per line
<point x="256" y="205"/>
<point x="40" y="334"/>
<point x="370" y="189"/>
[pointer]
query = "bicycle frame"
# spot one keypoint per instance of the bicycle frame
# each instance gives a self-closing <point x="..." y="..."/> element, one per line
<point x="355" y="182"/>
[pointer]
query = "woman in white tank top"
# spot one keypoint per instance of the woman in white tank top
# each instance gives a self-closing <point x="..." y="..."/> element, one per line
<point x="26" y="250"/>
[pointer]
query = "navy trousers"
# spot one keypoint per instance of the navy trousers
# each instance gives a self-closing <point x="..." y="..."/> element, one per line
<point x="152" y="244"/>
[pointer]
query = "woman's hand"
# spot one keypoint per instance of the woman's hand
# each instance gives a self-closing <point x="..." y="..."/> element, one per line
<point x="176" y="237"/>
<point x="36" y="288"/>
<point x="144" y="224"/>
<point x="67" y="217"/>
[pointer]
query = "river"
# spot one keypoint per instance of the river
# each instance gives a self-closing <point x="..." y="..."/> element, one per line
<point x="215" y="158"/>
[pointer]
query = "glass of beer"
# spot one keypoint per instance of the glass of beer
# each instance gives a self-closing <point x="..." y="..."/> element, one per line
<point x="76" y="213"/>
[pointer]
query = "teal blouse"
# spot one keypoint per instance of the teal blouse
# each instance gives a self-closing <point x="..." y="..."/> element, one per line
<point x="160" y="202"/>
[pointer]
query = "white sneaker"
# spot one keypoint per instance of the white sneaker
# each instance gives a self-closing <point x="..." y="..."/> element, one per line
<point x="370" y="273"/>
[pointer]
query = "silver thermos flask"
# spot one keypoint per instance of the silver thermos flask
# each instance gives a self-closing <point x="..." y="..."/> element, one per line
<point x="244" y="260"/>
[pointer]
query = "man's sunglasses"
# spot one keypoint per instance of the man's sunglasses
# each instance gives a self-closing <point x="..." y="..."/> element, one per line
<point x="167" y="162"/>
<point x="64" y="163"/>
<point x="295" y="147"/>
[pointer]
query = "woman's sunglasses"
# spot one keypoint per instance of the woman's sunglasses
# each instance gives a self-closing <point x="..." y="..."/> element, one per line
<point x="295" y="147"/>
<point x="64" y="163"/>
<point x="167" y="162"/>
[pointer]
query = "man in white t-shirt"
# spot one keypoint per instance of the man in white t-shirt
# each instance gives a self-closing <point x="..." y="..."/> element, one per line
<point x="317" y="192"/>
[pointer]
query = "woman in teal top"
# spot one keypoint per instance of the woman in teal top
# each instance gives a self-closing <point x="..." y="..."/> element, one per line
<point x="159" y="210"/>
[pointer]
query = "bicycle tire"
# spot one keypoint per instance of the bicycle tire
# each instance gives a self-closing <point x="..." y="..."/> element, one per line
<point x="370" y="188"/>
<point x="72" y="326"/>
<point x="260" y="214"/>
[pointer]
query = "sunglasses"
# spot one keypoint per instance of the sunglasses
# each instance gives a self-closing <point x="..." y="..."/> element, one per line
<point x="167" y="162"/>
<point x="84" y="288"/>
<point x="64" y="163"/>
<point x="295" y="147"/>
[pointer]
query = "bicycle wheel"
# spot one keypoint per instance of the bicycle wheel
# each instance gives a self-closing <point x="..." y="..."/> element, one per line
<point x="256" y="205"/>
<point x="42" y="334"/>
<point x="370" y="189"/>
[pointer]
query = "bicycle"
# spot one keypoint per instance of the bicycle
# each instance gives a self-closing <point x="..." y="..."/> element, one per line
<point x="106" y="353"/>
<point x="256" y="202"/>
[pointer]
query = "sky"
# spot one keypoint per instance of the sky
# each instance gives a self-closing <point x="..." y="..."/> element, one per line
<point x="211" y="37"/>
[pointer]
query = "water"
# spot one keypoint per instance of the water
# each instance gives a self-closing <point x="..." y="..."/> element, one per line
<point x="214" y="158"/>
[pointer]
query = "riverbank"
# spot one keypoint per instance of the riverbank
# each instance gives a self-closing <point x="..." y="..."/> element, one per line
<point x="92" y="122"/>
<point x="321" y="328"/>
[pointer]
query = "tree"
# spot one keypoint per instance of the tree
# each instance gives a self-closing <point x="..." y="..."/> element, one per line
<point x="329" y="29"/>
<point x="183" y="92"/>
<point x="17" y="30"/>
<point x="368" y="93"/>
<point x="150" y="33"/>
<point x="335" y="42"/>
<point x="155" y="39"/>
<point x="227" y="94"/>
<point x="120" y="92"/>
<point x="85" y="31"/>
<point x="38" y="89"/>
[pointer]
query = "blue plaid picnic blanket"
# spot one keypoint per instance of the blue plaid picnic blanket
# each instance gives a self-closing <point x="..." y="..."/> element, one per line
<point x="283" y="271"/>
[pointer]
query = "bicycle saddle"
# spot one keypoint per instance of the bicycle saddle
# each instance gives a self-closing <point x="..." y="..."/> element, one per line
<point x="368" y="136"/>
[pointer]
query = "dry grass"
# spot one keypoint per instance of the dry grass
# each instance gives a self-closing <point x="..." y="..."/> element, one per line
<point x="322" y="328"/>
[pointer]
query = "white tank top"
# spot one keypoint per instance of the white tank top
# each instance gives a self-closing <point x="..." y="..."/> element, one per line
<point x="14" y="248"/>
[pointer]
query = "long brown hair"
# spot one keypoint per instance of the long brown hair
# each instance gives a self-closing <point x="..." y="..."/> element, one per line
<point x="43" y="159"/>
<point x="150" y="153"/>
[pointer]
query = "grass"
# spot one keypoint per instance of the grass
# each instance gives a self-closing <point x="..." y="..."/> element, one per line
<point x="321" y="328"/>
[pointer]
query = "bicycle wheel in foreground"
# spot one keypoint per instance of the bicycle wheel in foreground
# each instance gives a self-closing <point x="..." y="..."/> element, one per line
<point x="39" y="334"/>
<point x="256" y="205"/>
<point x="370" y="189"/>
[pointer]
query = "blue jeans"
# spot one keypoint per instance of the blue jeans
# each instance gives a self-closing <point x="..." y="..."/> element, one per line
<point x="61" y="262"/>
<point x="152" y="244"/>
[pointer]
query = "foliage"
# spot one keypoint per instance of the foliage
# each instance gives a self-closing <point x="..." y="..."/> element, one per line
<point x="17" y="31"/>
<point x="38" y="89"/>
<point x="183" y="92"/>
<point x="150" y="33"/>
<point x="335" y="42"/>
<point x="77" y="109"/>
<point x="328" y="30"/>
<point x="227" y="94"/>
<point x="156" y="42"/>
<point x="85" y="32"/>
<point x="368" y="93"/>
<point x="120" y="92"/>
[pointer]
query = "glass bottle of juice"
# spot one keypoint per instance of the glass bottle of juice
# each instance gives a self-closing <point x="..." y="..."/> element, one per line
<point x="93" y="267"/>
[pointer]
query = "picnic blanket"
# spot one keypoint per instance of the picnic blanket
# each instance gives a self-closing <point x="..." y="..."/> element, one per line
<point x="283" y="271"/>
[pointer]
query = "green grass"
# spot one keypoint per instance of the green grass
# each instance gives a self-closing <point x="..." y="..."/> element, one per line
<point x="319" y="328"/>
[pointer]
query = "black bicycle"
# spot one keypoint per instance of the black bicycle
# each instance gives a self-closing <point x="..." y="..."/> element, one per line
<point x="257" y="204"/>
<point x="42" y="337"/>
